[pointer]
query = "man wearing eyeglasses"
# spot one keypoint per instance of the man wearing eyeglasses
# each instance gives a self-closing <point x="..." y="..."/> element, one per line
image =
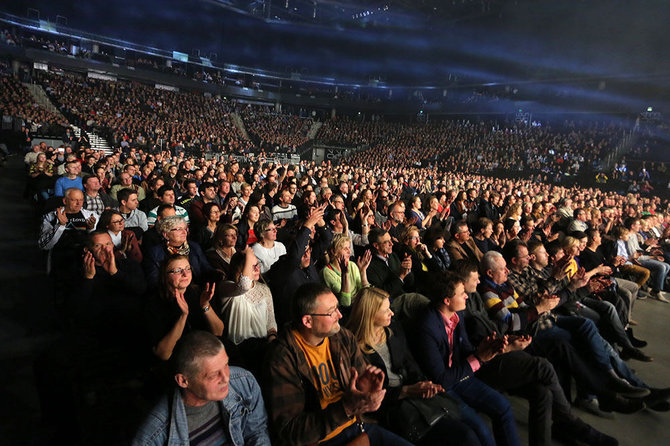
<point x="387" y="271"/>
<point x="461" y="245"/>
<point x="319" y="382"/>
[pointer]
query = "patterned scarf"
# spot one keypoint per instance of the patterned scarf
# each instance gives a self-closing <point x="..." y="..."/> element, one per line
<point x="183" y="250"/>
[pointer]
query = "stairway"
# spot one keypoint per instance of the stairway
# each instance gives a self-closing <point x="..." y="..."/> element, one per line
<point x="41" y="98"/>
<point x="97" y="142"/>
<point x="627" y="142"/>
<point x="239" y="123"/>
<point x="314" y="129"/>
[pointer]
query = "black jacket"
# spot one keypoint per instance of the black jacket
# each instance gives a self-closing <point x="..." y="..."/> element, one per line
<point x="402" y="363"/>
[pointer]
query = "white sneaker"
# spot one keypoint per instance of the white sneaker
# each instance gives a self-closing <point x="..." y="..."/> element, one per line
<point x="660" y="296"/>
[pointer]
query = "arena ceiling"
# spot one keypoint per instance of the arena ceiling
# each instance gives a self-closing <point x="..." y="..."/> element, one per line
<point x="607" y="45"/>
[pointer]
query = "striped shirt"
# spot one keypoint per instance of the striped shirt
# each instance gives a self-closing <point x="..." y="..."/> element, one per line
<point x="205" y="425"/>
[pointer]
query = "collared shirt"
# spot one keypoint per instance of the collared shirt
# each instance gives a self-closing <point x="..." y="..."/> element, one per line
<point x="384" y="259"/>
<point x="243" y="413"/>
<point x="622" y="251"/>
<point x="530" y="283"/>
<point x="450" y="326"/>
<point x="95" y="204"/>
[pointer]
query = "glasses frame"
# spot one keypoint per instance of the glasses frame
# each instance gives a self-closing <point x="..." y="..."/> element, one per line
<point x="330" y="315"/>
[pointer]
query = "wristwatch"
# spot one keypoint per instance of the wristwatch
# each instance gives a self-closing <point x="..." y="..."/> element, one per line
<point x="205" y="309"/>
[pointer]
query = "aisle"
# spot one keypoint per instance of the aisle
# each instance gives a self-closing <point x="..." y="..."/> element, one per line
<point x="27" y="321"/>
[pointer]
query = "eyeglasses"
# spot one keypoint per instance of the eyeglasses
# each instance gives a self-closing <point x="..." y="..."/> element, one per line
<point x="177" y="229"/>
<point x="116" y="222"/>
<point x="335" y="311"/>
<point x="180" y="270"/>
<point x="271" y="230"/>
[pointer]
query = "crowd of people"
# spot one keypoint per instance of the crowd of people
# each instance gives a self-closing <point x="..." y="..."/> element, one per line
<point x="17" y="102"/>
<point x="138" y="115"/>
<point x="132" y="114"/>
<point x="275" y="132"/>
<point x="229" y="285"/>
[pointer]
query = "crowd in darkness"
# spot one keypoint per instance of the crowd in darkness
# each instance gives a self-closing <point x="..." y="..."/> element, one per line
<point x="342" y="292"/>
<point x="276" y="132"/>
<point x="16" y="100"/>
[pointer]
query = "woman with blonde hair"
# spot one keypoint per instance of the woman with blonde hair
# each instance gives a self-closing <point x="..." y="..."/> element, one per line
<point x="514" y="212"/>
<point x="343" y="277"/>
<point x="383" y="342"/>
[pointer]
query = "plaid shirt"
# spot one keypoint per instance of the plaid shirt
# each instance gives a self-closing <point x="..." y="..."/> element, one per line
<point x="530" y="283"/>
<point x="94" y="204"/>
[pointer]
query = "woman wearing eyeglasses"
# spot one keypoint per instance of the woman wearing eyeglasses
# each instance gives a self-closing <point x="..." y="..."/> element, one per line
<point x="179" y="307"/>
<point x="248" y="311"/>
<point x="125" y="241"/>
<point x="174" y="232"/>
<point x="267" y="249"/>
<point x="383" y="342"/>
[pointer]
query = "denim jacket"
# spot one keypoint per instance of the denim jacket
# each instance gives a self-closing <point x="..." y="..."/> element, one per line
<point x="243" y="411"/>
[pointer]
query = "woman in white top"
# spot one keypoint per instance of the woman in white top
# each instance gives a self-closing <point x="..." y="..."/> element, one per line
<point x="247" y="308"/>
<point x="267" y="249"/>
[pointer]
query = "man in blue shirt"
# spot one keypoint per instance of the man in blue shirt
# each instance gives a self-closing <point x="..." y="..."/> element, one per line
<point x="71" y="179"/>
<point x="213" y="403"/>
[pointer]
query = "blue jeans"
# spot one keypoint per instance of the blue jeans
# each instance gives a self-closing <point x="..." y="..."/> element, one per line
<point x="378" y="436"/>
<point x="621" y="368"/>
<point x="659" y="270"/>
<point x="473" y="396"/>
<point x="585" y="332"/>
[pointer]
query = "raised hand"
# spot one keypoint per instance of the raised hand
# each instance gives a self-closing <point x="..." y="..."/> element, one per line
<point x="315" y="216"/>
<point x="547" y="302"/>
<point x="207" y="294"/>
<point x="518" y="342"/>
<point x="371" y="380"/>
<point x="109" y="261"/>
<point x="89" y="265"/>
<point x="490" y="347"/>
<point x="181" y="301"/>
<point x="406" y="265"/>
<point x="61" y="216"/>
<point x="364" y="261"/>
<point x="357" y="401"/>
<point x="579" y="279"/>
<point x="90" y="222"/>
<point x="343" y="263"/>
<point x="125" y="241"/>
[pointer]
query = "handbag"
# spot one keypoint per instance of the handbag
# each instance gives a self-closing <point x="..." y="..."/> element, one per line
<point x="412" y="418"/>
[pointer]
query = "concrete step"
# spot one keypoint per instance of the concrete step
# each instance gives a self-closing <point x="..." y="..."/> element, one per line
<point x="314" y="129"/>
<point x="239" y="123"/>
<point x="97" y="142"/>
<point x="41" y="98"/>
